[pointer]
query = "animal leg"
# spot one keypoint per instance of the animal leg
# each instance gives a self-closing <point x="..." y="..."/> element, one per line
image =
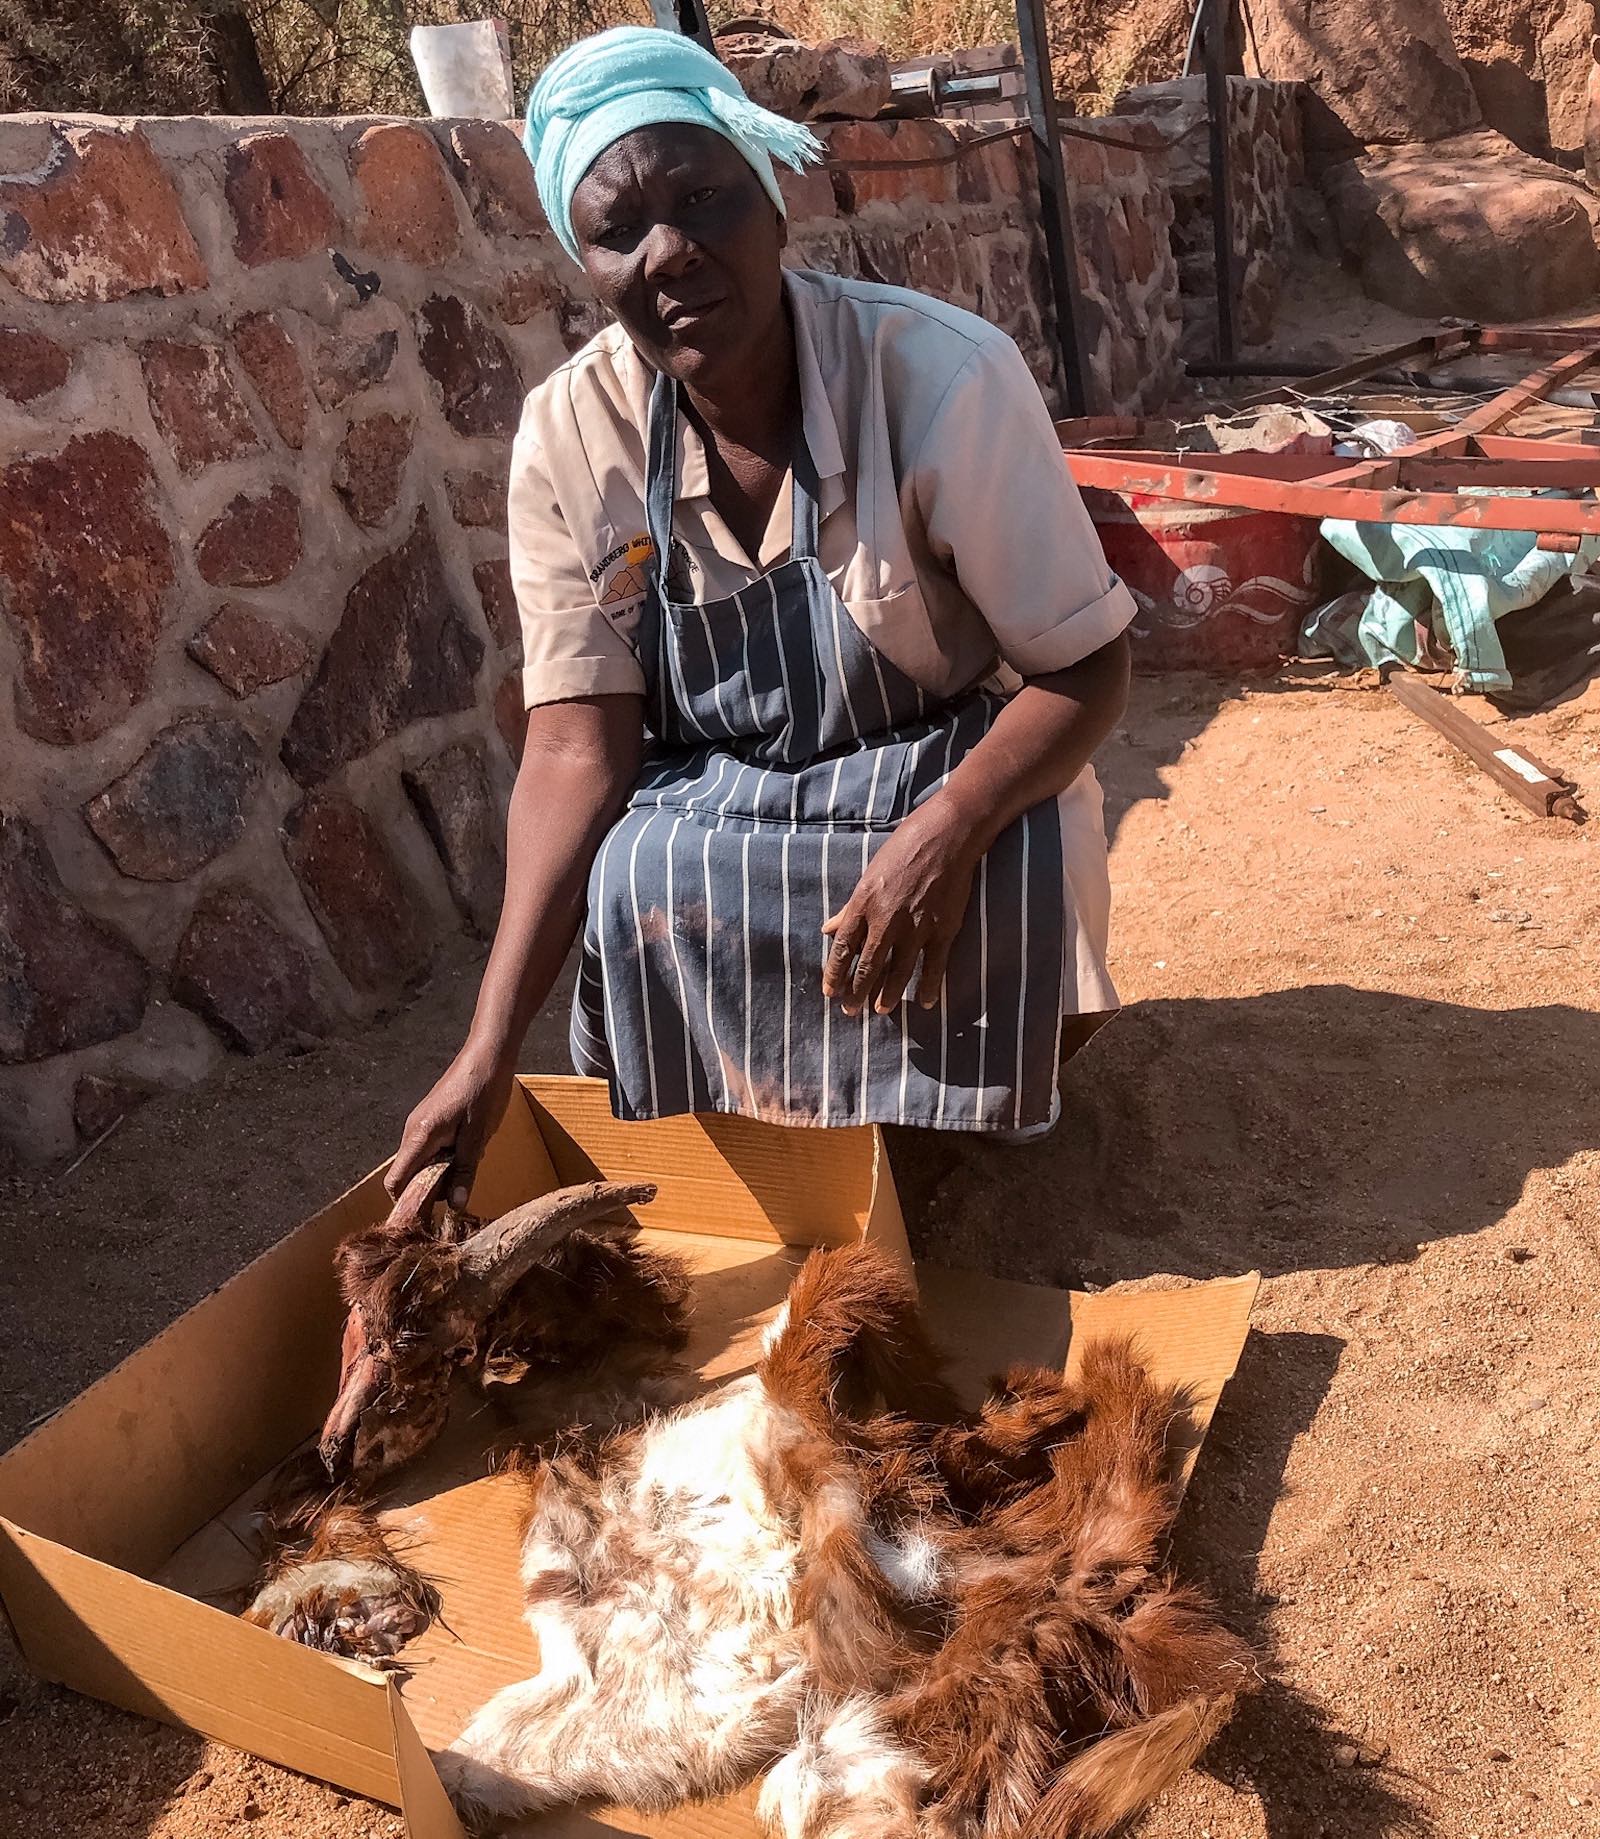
<point x="333" y="1579"/>
<point x="847" y="1777"/>
<point x="1112" y="1780"/>
<point x="506" y="1763"/>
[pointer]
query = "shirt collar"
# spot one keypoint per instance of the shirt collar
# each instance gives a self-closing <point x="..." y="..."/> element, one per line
<point x="816" y="417"/>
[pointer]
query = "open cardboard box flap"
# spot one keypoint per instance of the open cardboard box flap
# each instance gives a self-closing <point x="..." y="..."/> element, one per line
<point x="121" y="1518"/>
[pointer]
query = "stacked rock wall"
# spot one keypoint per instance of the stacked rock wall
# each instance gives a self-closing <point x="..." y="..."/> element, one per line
<point x="966" y="228"/>
<point x="257" y="387"/>
<point x="1267" y="166"/>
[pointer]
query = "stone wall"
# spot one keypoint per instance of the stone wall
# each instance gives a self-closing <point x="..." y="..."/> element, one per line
<point x="966" y="229"/>
<point x="1268" y="168"/>
<point x="257" y="385"/>
<point x="1125" y="229"/>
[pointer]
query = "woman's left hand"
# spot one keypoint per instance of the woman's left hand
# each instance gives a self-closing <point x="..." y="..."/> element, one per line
<point x="907" y="908"/>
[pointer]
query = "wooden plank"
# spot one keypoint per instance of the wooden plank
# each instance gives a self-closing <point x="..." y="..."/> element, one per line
<point x="1536" y="787"/>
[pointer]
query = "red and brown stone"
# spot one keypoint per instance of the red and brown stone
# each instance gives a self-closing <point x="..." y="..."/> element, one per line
<point x="808" y="194"/>
<point x="68" y="980"/>
<point x="87" y="562"/>
<point x="353" y="361"/>
<point x="369" y="467"/>
<point x="371" y="915"/>
<point x="254" y="543"/>
<point x="100" y="1100"/>
<point x="271" y="362"/>
<point x="526" y="292"/>
<point x="477" y="500"/>
<point x="511" y="715"/>
<point x="100" y="220"/>
<point x="410" y="202"/>
<point x="245" y="652"/>
<point x="247" y="978"/>
<point x="280" y="210"/>
<point x="874" y="176"/>
<point x="452" y="795"/>
<point x="496" y="178"/>
<point x="196" y="402"/>
<point x="493" y="580"/>
<point x="480" y="390"/>
<point x="182" y="803"/>
<point x="403" y="650"/>
<point x="31" y="365"/>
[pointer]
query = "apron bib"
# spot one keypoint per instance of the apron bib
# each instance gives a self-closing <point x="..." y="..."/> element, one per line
<point x="785" y="748"/>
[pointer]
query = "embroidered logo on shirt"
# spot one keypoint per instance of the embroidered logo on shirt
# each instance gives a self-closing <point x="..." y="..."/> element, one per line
<point x="621" y="575"/>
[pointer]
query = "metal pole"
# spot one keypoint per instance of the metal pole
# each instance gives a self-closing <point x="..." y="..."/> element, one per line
<point x="685" y="16"/>
<point x="1055" y="206"/>
<point x="1218" y="30"/>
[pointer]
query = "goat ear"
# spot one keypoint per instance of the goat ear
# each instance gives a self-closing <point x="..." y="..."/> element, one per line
<point x="499" y="1255"/>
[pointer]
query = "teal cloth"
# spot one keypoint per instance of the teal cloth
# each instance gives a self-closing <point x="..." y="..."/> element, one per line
<point x="1456" y="581"/>
<point x="631" y="77"/>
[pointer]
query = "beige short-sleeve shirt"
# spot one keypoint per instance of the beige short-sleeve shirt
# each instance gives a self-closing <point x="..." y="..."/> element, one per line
<point x="951" y="528"/>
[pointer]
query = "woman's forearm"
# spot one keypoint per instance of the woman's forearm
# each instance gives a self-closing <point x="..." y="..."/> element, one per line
<point x="579" y="763"/>
<point x="1041" y="741"/>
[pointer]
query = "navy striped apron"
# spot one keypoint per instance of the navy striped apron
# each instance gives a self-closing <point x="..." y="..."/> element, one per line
<point x="785" y="748"/>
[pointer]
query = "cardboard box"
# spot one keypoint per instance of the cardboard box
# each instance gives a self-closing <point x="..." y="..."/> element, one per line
<point x="119" y="1516"/>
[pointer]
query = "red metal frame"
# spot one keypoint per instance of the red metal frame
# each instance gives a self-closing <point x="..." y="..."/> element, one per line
<point x="1426" y="483"/>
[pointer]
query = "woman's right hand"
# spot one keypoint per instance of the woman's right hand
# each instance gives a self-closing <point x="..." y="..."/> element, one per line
<point x="456" y="1118"/>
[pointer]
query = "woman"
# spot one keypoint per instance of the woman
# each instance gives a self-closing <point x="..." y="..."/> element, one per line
<point x="818" y="641"/>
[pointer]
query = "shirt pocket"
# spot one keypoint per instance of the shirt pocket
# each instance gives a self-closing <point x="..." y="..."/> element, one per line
<point x="898" y="627"/>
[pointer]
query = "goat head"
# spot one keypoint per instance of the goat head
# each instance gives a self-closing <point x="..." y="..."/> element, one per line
<point x="428" y="1293"/>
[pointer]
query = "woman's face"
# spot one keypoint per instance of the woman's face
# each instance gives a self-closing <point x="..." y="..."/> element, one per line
<point x="681" y="243"/>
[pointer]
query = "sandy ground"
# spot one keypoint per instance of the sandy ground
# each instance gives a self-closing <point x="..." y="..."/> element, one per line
<point x="1359" y="1053"/>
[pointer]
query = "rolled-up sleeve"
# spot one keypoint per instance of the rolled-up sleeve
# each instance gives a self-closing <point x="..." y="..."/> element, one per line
<point x="570" y="648"/>
<point x="1001" y="510"/>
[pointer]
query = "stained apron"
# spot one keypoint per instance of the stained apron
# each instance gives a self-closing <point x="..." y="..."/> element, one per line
<point x="784" y="751"/>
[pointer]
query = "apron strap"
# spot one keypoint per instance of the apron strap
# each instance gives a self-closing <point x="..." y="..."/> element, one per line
<point x="661" y="483"/>
<point x="807" y="514"/>
<point x="661" y="471"/>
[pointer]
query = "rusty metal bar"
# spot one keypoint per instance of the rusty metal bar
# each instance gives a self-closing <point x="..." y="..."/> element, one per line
<point x="1383" y="503"/>
<point x="1383" y="489"/>
<point x="1523" y="395"/>
<point x="1519" y="447"/>
<point x="1055" y="205"/>
<point x="1486" y="419"/>
<point x="1535" y="338"/>
<point x="1544" y="474"/>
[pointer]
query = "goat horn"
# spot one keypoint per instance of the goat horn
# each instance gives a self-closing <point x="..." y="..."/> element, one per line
<point x="418" y="1195"/>
<point x="499" y="1255"/>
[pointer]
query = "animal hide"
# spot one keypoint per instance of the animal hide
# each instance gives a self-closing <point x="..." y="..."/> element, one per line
<point x="919" y="1624"/>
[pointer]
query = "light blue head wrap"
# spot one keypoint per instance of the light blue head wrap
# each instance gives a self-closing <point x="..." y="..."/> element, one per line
<point x="635" y="77"/>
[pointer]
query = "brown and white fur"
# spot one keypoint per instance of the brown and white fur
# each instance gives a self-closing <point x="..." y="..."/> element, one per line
<point x="919" y="1624"/>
